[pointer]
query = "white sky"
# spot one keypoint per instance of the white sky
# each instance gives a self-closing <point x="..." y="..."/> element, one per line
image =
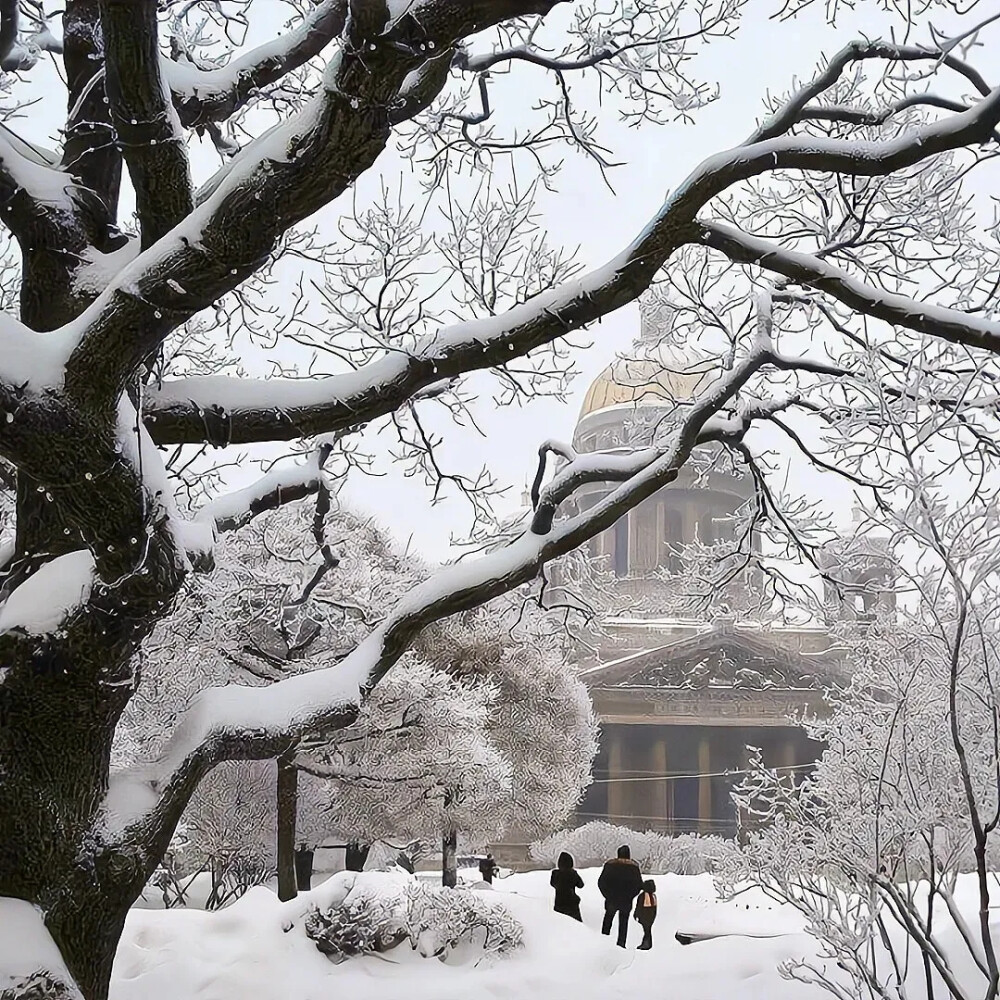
<point x="766" y="56"/>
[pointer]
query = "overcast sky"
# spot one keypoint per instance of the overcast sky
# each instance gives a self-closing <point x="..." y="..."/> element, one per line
<point x="765" y="56"/>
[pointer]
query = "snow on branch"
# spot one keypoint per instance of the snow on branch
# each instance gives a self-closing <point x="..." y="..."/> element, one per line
<point x="279" y="179"/>
<point x="280" y="486"/>
<point x="32" y="187"/>
<point x="202" y="96"/>
<point x="797" y="107"/>
<point x="28" y="954"/>
<point x="232" y="722"/>
<point x="45" y="600"/>
<point x="281" y="409"/>
<point x="952" y="325"/>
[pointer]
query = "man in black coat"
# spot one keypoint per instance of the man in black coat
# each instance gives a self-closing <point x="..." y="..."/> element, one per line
<point x="620" y="882"/>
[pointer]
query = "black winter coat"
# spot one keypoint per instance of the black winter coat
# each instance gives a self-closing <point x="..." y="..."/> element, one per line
<point x="566" y="881"/>
<point x="620" y="882"/>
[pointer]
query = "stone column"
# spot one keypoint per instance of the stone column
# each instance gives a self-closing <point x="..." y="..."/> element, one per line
<point x="615" y="787"/>
<point x="704" y="783"/>
<point x="660" y="790"/>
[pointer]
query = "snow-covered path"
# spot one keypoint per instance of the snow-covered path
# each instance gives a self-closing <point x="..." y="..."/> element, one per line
<point x="242" y="954"/>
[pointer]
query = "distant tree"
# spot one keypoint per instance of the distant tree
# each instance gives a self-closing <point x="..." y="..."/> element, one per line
<point x="870" y="844"/>
<point x="481" y="728"/>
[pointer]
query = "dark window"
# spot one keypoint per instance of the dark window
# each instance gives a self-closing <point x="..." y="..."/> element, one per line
<point x="686" y="804"/>
<point x="672" y="530"/>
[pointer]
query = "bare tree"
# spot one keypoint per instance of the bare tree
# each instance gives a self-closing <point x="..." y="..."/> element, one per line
<point x="888" y="846"/>
<point x="98" y="534"/>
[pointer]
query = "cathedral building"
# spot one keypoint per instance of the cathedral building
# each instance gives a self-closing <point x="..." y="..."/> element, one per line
<point x="682" y="689"/>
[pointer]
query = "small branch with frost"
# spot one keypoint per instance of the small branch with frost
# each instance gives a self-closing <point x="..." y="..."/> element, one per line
<point x="797" y="107"/>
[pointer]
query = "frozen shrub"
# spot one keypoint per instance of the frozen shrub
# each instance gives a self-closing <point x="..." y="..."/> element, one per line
<point x="439" y="921"/>
<point x="593" y="843"/>
<point x="442" y="923"/>
<point x="361" y="926"/>
<point x="40" y="986"/>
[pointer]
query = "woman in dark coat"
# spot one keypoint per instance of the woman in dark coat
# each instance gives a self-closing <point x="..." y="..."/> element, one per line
<point x="645" y="913"/>
<point x="566" y="880"/>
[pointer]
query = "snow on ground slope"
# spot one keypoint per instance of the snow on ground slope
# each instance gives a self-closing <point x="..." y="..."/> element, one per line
<point x="245" y="952"/>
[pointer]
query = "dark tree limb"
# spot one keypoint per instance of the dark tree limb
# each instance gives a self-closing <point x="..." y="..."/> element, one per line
<point x="175" y="410"/>
<point x="280" y="179"/>
<point x="90" y="154"/>
<point x="792" y="111"/>
<point x="953" y="325"/>
<point x="202" y="97"/>
<point x="147" y="130"/>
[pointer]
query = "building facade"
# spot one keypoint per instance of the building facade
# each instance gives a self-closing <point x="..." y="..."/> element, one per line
<point x="683" y="688"/>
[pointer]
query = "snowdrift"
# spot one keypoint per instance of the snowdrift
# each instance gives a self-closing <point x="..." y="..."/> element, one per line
<point x="257" y="949"/>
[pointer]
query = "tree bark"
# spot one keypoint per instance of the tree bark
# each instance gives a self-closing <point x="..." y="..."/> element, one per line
<point x="58" y="707"/>
<point x="355" y="856"/>
<point x="288" y="796"/>
<point x="449" y="859"/>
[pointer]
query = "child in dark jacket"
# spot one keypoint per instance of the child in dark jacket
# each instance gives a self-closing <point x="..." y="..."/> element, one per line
<point x="645" y="913"/>
<point x="566" y="880"/>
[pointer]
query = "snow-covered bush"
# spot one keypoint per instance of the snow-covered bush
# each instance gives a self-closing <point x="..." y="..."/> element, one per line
<point x="449" y="924"/>
<point x="40" y="986"/>
<point x="440" y="921"/>
<point x="593" y="843"/>
<point x="362" y="926"/>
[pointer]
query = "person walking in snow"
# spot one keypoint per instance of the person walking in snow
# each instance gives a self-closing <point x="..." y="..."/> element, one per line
<point x="488" y="868"/>
<point x="645" y="913"/>
<point x="620" y="882"/>
<point x="566" y="880"/>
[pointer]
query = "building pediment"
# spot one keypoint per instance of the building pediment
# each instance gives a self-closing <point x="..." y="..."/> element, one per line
<point x="721" y="658"/>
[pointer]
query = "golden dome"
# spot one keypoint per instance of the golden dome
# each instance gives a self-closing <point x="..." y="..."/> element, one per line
<point x="644" y="383"/>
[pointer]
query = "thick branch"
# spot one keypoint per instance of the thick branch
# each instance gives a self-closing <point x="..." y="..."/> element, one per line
<point x="792" y="111"/>
<point x="146" y="126"/>
<point x="950" y="324"/>
<point x="234" y="510"/>
<point x="294" y="408"/>
<point x="90" y="154"/>
<point x="204" y="96"/>
<point x="256" y="723"/>
<point x="280" y="179"/>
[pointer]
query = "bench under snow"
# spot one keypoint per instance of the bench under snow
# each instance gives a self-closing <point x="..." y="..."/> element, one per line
<point x="693" y="938"/>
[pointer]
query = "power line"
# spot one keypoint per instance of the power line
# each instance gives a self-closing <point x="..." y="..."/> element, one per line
<point x="706" y="774"/>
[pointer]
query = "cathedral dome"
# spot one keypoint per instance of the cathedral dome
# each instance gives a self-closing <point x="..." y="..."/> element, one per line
<point x="635" y="382"/>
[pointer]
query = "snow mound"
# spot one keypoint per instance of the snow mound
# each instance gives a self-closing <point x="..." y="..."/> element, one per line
<point x="44" y="601"/>
<point x="258" y="948"/>
<point x="29" y="957"/>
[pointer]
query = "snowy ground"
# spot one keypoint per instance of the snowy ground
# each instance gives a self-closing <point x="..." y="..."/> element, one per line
<point x="243" y="952"/>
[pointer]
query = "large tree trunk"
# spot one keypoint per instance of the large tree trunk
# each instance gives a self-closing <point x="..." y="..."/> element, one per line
<point x="288" y="796"/>
<point x="59" y="701"/>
